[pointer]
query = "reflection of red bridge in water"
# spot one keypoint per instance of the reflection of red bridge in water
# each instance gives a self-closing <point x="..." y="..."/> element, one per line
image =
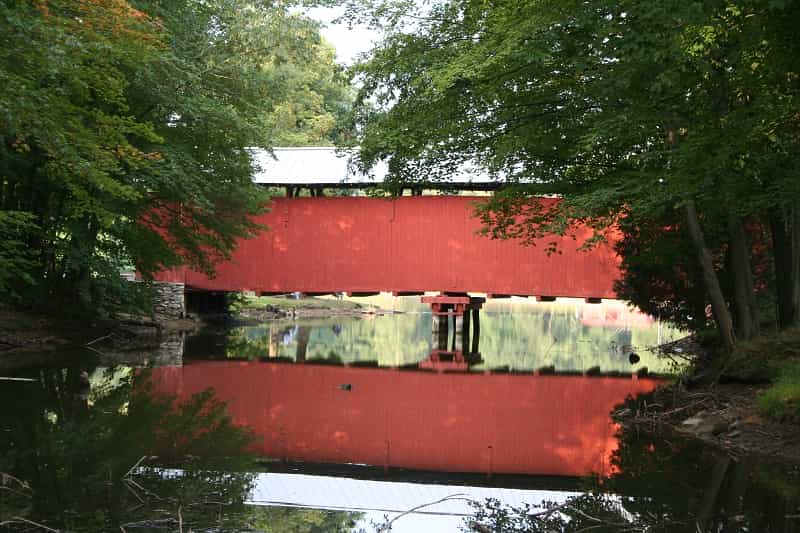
<point x="618" y="316"/>
<point x="451" y="422"/>
<point x="405" y="245"/>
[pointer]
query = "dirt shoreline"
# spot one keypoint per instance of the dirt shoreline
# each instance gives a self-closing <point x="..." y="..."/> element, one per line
<point x="717" y="412"/>
<point x="22" y="332"/>
<point x="26" y="332"/>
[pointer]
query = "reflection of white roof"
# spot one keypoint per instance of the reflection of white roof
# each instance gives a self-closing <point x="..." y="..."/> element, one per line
<point x="319" y="165"/>
<point x="386" y="498"/>
<point x="329" y="492"/>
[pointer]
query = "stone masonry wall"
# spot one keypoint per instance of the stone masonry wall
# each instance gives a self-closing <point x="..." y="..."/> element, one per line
<point x="169" y="301"/>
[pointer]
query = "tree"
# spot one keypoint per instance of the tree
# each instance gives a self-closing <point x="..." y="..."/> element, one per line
<point x="125" y="129"/>
<point x="65" y="129"/>
<point x="619" y="108"/>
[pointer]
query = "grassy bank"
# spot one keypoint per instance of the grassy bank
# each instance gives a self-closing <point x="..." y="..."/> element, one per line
<point x="286" y="302"/>
<point x="781" y="401"/>
<point x="774" y="360"/>
<point x="268" y="307"/>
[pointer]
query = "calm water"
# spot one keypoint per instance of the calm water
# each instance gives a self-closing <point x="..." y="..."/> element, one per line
<point x="514" y="334"/>
<point x="228" y="432"/>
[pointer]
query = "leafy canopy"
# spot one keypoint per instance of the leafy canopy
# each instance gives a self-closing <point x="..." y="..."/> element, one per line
<point x="615" y="105"/>
<point x="125" y="129"/>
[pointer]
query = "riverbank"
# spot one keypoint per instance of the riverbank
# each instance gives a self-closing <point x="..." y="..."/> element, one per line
<point x="29" y="332"/>
<point x="721" y="402"/>
<point x="22" y="333"/>
<point x="257" y="308"/>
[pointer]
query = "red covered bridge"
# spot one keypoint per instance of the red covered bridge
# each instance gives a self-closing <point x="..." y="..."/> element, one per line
<point x="406" y="245"/>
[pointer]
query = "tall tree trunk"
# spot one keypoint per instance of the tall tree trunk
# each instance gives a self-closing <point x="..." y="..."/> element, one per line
<point x="710" y="279"/>
<point x="86" y="239"/>
<point x="747" y="315"/>
<point x="795" y="263"/>
<point x="784" y="251"/>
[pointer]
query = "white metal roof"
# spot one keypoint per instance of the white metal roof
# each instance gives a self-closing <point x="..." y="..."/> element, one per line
<point x="320" y="165"/>
<point x="310" y="166"/>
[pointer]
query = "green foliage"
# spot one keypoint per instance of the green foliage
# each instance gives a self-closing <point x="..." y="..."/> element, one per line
<point x="629" y="108"/>
<point x="659" y="273"/>
<point x="599" y="512"/>
<point x="16" y="259"/>
<point x="125" y="129"/>
<point x="781" y="401"/>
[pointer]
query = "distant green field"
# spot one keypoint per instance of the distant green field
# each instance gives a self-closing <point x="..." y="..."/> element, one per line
<point x="287" y="302"/>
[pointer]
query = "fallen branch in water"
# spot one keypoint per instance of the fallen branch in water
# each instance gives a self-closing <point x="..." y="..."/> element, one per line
<point x="685" y="407"/>
<point x="98" y="339"/>
<point x="98" y="352"/>
<point x="388" y="525"/>
<point x="135" y="466"/>
<point x="4" y="479"/>
<point x="20" y="520"/>
<point x="149" y="523"/>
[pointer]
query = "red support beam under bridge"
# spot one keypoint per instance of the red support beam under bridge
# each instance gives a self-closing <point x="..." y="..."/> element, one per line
<point x="406" y="245"/>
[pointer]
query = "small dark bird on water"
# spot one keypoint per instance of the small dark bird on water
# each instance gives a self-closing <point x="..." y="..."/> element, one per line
<point x="633" y="358"/>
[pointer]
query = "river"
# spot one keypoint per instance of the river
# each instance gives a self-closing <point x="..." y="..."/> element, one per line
<point x="365" y="424"/>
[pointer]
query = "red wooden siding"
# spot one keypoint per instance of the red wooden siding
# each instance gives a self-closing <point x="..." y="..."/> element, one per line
<point x="409" y="244"/>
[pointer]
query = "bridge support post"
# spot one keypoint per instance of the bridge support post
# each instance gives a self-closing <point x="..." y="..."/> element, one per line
<point x="476" y="330"/>
<point x="465" y="311"/>
<point x="465" y="331"/>
<point x="441" y="331"/>
<point x="458" y="331"/>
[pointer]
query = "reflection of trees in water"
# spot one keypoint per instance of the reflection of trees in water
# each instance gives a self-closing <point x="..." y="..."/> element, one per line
<point x="557" y="337"/>
<point x="661" y="485"/>
<point x="392" y="340"/>
<point x="536" y="337"/>
<point x="587" y="512"/>
<point x="292" y="520"/>
<point x="72" y="452"/>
